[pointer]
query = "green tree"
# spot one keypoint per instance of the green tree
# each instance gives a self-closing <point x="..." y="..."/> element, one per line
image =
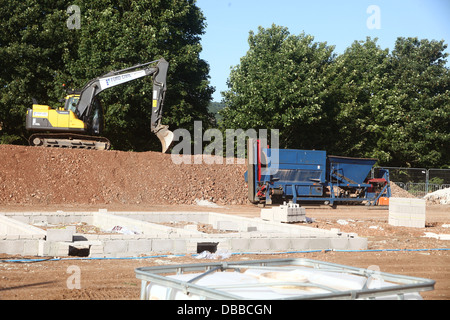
<point x="393" y="106"/>
<point x="114" y="34"/>
<point x="366" y="102"/>
<point x="417" y="108"/>
<point x="31" y="47"/>
<point x="358" y="89"/>
<point x="281" y="83"/>
<point x="214" y="108"/>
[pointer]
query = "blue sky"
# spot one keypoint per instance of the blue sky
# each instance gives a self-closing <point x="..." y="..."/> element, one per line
<point x="337" y="22"/>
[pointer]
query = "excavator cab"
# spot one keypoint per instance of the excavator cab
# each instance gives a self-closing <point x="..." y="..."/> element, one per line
<point x="71" y="102"/>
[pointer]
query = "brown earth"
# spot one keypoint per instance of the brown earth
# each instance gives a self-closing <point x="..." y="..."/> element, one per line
<point x="41" y="176"/>
<point x="54" y="179"/>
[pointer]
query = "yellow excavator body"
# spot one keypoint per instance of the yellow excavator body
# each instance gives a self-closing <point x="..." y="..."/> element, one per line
<point x="57" y="119"/>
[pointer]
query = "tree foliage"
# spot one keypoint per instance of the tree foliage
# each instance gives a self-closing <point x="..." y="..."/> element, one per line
<point x="280" y="84"/>
<point x="366" y="102"/>
<point x="30" y="55"/>
<point x="419" y="103"/>
<point x="39" y="53"/>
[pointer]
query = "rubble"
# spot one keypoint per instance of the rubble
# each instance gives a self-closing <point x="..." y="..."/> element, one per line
<point x="438" y="197"/>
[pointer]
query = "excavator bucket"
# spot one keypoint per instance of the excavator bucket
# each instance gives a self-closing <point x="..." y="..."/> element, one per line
<point x="166" y="137"/>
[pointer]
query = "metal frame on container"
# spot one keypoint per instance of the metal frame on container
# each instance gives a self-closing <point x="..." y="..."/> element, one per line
<point x="159" y="275"/>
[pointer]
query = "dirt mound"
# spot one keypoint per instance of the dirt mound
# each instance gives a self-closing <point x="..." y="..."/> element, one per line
<point x="399" y="192"/>
<point x="34" y="175"/>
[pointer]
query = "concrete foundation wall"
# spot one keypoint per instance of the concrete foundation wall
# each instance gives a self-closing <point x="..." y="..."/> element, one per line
<point x="58" y="217"/>
<point x="107" y="221"/>
<point x="247" y="235"/>
<point x="11" y="227"/>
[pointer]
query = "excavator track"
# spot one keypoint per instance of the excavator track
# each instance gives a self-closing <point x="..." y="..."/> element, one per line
<point x="68" y="140"/>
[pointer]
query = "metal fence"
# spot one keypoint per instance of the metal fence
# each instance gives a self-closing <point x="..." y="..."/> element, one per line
<point x="418" y="181"/>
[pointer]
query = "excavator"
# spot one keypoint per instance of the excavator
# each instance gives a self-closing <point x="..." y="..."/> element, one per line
<point x="80" y="122"/>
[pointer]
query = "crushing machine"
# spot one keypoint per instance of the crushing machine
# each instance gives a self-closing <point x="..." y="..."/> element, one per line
<point x="312" y="176"/>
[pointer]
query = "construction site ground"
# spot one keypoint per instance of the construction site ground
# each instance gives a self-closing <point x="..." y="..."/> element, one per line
<point x="39" y="179"/>
<point x="115" y="278"/>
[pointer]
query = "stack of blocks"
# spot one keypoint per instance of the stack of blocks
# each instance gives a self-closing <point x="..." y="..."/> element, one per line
<point x="289" y="213"/>
<point x="407" y="212"/>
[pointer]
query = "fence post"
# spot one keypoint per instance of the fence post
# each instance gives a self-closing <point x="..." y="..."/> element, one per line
<point x="427" y="177"/>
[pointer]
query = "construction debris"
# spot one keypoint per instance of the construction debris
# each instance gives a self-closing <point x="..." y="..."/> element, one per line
<point x="438" y="197"/>
<point x="287" y="213"/>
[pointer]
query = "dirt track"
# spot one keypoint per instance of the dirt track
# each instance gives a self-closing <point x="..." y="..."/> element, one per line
<point x="48" y="179"/>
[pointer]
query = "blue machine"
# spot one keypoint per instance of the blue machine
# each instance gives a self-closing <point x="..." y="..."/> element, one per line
<point x="277" y="175"/>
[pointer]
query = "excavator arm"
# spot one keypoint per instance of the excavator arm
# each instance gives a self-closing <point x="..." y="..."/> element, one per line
<point x="163" y="133"/>
<point x="114" y="78"/>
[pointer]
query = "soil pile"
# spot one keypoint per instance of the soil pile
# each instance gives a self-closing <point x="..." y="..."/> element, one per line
<point x="399" y="192"/>
<point x="36" y="175"/>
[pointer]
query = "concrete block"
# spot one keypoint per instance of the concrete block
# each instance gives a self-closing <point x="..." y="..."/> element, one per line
<point x="121" y="255"/>
<point x="115" y="246"/>
<point x="191" y="246"/>
<point x="54" y="219"/>
<point x="41" y="220"/>
<point x="227" y="226"/>
<point x="259" y="245"/>
<point x="282" y="244"/>
<point x="96" y="251"/>
<point x="239" y="245"/>
<point x="56" y="249"/>
<point x="320" y="243"/>
<point x="162" y="245"/>
<point x="23" y="219"/>
<point x="392" y="221"/>
<point x="55" y="235"/>
<point x="224" y="245"/>
<point x="407" y="212"/>
<point x="11" y="247"/>
<point x="30" y="247"/>
<point x="341" y="243"/>
<point x="179" y="246"/>
<point x="287" y="213"/>
<point x="357" y="243"/>
<point x="41" y="248"/>
<point x="141" y="246"/>
<point x="300" y="244"/>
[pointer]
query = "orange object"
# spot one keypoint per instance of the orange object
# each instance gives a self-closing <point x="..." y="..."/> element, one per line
<point x="383" y="201"/>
